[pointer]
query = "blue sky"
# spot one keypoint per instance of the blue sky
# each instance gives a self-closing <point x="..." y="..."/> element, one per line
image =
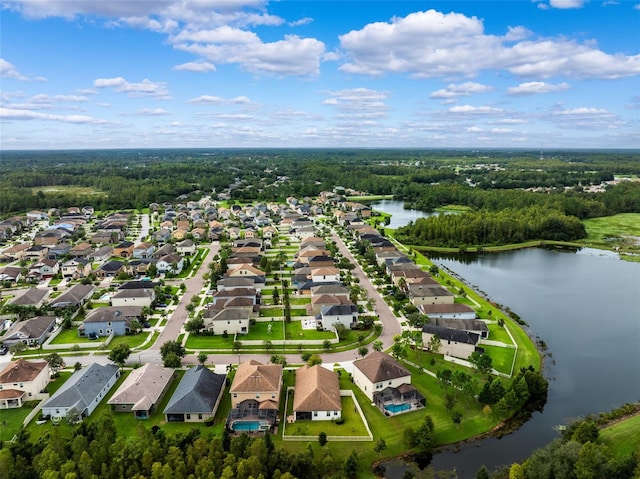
<point x="251" y="73"/>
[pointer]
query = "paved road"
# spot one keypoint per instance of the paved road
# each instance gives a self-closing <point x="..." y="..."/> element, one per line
<point x="391" y="325"/>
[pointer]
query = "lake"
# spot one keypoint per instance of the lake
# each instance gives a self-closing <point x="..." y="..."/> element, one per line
<point x="586" y="306"/>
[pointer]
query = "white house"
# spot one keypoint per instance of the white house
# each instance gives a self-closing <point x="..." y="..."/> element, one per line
<point x="186" y="247"/>
<point x="317" y="394"/>
<point x="327" y="274"/>
<point x="133" y="297"/>
<point x="453" y="342"/>
<point x="345" y="314"/>
<point x="377" y="371"/>
<point x="171" y="263"/>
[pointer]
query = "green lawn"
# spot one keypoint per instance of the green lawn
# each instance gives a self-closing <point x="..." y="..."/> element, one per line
<point x="133" y="340"/>
<point x="623" y="437"/>
<point x="352" y="426"/>
<point x="70" y="336"/>
<point x="610" y="231"/>
<point x="501" y="358"/>
<point x="294" y="331"/>
<point x="11" y="420"/>
<point x="259" y="331"/>
<point x="198" y="342"/>
<point x="299" y="301"/>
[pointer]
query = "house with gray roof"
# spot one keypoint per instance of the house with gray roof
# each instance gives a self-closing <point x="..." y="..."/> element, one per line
<point x="30" y="331"/>
<point x="31" y="297"/>
<point x="83" y="391"/>
<point x="109" y="320"/>
<point x="75" y="296"/>
<point x="453" y="342"/>
<point x="475" y="326"/>
<point x="197" y="396"/>
<point x="142" y="390"/>
<point x="331" y="314"/>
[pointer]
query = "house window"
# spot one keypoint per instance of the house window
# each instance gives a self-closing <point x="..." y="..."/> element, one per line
<point x="257" y="396"/>
<point x="199" y="416"/>
<point x="188" y="416"/>
<point x="109" y="323"/>
<point x="235" y="395"/>
<point x="335" y="413"/>
<point x="315" y="413"/>
<point x="273" y="396"/>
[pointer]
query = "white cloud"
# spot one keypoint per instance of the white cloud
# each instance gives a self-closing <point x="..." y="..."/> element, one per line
<point x="217" y="100"/>
<point x="290" y="56"/>
<point x="7" y="70"/>
<point x="302" y="21"/>
<point x="534" y="87"/>
<point x="199" y="67"/>
<point x="433" y="44"/>
<point x="584" y="118"/>
<point x="143" y="88"/>
<point x="566" y="3"/>
<point x="17" y="114"/>
<point x="152" y="112"/>
<point x="463" y="89"/>
<point x="474" y="110"/>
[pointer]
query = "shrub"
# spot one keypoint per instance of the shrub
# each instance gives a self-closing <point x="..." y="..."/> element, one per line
<point x="340" y="420"/>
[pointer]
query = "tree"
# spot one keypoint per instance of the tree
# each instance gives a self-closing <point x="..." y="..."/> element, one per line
<point x="350" y="466"/>
<point x="119" y="354"/>
<point x="377" y="345"/>
<point x="135" y="326"/>
<point x="279" y="359"/>
<point x="237" y="345"/>
<point x="586" y="431"/>
<point x="194" y="325"/>
<point x="380" y="446"/>
<point x="313" y="360"/>
<point x="326" y="344"/>
<point x="434" y="345"/>
<point x="172" y="352"/>
<point x="55" y="361"/>
<point x="363" y="351"/>
<point x="73" y="416"/>
<point x="202" y="358"/>
<point x="424" y="434"/>
<point x="267" y="344"/>
<point x="322" y="438"/>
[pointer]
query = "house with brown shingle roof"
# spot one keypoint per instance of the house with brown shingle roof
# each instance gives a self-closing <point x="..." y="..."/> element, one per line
<point x="22" y="381"/>
<point x="31" y="297"/>
<point x="317" y="394"/>
<point x="255" y="396"/>
<point x="142" y="390"/>
<point x="30" y="332"/>
<point x="387" y="384"/>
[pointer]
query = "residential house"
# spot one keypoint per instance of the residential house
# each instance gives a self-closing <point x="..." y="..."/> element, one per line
<point x="319" y="301"/>
<point x="110" y="269"/>
<point x="81" y="250"/>
<point x="143" y="250"/>
<point x="325" y="275"/>
<point x="244" y="270"/>
<point x="124" y="249"/>
<point x="58" y="250"/>
<point x="429" y="294"/>
<point x="255" y="396"/>
<point x="31" y="332"/>
<point x="35" y="253"/>
<point x="199" y="233"/>
<point x="11" y="273"/>
<point x="142" y="390"/>
<point x="109" y="320"/>
<point x="317" y="394"/>
<point x="76" y="268"/>
<point x="453" y="342"/>
<point x="186" y="247"/>
<point x="345" y="314"/>
<point x="228" y="320"/>
<point x="228" y="283"/>
<point x="36" y="215"/>
<point x="43" y="269"/>
<point x="31" y="297"/>
<point x="22" y="381"/>
<point x="171" y="263"/>
<point x="474" y="326"/>
<point x="50" y="237"/>
<point x="133" y="297"/>
<point x="197" y="396"/>
<point x="82" y="392"/>
<point x="75" y="296"/>
<point x="17" y="251"/>
<point x="448" y="311"/>
<point x="101" y="254"/>
<point x="386" y="383"/>
<point x="162" y="235"/>
<point x="179" y="234"/>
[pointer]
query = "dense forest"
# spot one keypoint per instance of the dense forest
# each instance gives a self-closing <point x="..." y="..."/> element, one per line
<point x="425" y="179"/>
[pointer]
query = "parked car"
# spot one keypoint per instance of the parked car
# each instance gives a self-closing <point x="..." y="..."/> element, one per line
<point x="161" y="305"/>
<point x="3" y="350"/>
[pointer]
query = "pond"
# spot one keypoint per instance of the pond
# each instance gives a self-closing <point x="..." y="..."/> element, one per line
<point x="585" y="305"/>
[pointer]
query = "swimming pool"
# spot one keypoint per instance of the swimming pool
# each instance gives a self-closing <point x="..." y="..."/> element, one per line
<point x="248" y="426"/>
<point x="396" y="408"/>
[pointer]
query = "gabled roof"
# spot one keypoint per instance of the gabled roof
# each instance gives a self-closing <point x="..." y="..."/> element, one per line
<point x="445" y="308"/>
<point x="113" y="313"/>
<point x="74" y="295"/>
<point x="317" y="389"/>
<point x="471" y="325"/>
<point x="31" y="328"/>
<point x="82" y="387"/>
<point x="111" y="266"/>
<point x="253" y="376"/>
<point x="378" y="366"/>
<point x="338" y="309"/>
<point x="138" y="285"/>
<point x="143" y="387"/>
<point x="30" y="297"/>
<point x="329" y="288"/>
<point x="22" y="371"/>
<point x="428" y="291"/>
<point x="197" y="392"/>
<point x="134" y="293"/>
<point x="450" y="334"/>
